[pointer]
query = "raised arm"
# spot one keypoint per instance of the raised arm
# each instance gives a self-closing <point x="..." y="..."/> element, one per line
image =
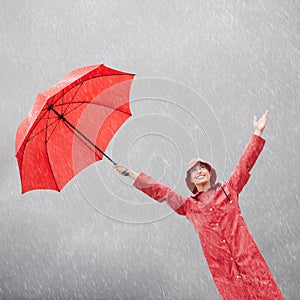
<point x="241" y="173"/>
<point x="154" y="189"/>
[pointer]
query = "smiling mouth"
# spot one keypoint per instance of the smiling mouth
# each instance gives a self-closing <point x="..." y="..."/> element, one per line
<point x="200" y="177"/>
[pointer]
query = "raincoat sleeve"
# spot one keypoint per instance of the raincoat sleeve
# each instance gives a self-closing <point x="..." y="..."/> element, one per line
<point x="160" y="193"/>
<point x="241" y="173"/>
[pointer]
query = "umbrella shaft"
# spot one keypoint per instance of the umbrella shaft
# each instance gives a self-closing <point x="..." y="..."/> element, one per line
<point x="62" y="117"/>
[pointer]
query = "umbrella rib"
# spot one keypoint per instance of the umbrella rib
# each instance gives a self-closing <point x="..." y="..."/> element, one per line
<point x="43" y="118"/>
<point x="46" y="140"/>
<point x="46" y="131"/>
<point x="62" y="117"/>
<point x="48" y="125"/>
<point x="31" y="137"/>
<point x="62" y="101"/>
<point x="72" y="130"/>
<point x="69" y="103"/>
<point x="99" y="104"/>
<point x="66" y="113"/>
<point x="82" y="82"/>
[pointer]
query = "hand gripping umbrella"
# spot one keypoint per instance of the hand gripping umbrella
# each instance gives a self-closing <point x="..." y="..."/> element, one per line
<point x="70" y="126"/>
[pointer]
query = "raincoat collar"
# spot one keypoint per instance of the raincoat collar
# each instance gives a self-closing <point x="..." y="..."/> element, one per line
<point x="212" y="188"/>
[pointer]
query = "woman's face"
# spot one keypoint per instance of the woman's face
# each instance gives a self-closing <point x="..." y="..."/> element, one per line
<point x="200" y="175"/>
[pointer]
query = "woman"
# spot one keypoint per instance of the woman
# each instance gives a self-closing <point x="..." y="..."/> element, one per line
<point x="236" y="264"/>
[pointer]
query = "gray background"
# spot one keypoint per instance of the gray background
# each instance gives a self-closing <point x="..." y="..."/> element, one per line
<point x="240" y="57"/>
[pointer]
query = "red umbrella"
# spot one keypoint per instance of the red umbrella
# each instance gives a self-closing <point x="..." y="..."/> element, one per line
<point x="70" y="126"/>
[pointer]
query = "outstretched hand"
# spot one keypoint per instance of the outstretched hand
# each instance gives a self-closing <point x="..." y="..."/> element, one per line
<point x="125" y="171"/>
<point x="260" y="125"/>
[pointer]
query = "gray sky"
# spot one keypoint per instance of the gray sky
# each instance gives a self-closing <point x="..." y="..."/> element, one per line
<point x="203" y="69"/>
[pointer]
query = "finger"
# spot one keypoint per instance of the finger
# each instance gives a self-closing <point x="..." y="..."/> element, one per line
<point x="266" y="114"/>
<point x="117" y="166"/>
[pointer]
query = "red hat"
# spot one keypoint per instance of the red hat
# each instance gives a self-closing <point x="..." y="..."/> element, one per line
<point x="191" y="164"/>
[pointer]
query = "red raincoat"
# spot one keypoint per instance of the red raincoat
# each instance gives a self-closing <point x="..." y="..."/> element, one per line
<point x="236" y="264"/>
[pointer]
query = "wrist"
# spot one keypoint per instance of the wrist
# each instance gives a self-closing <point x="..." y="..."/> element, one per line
<point x="132" y="174"/>
<point x="258" y="132"/>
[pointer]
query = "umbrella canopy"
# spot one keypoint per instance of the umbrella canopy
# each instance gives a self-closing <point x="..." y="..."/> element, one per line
<point x="70" y="126"/>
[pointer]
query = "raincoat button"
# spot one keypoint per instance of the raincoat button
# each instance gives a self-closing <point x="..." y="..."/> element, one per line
<point x="230" y="201"/>
<point x="224" y="241"/>
<point x="210" y="209"/>
<point x="231" y="258"/>
<point x="217" y="224"/>
<point x="238" y="276"/>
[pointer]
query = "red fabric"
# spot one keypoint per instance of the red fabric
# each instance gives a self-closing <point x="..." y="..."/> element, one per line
<point x="236" y="264"/>
<point x="95" y="100"/>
